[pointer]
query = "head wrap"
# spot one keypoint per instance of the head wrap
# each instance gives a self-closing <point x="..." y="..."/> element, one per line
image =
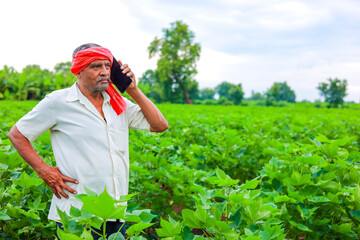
<point x="84" y="57"/>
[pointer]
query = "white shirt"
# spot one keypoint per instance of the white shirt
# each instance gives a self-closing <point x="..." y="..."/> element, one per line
<point x="87" y="147"/>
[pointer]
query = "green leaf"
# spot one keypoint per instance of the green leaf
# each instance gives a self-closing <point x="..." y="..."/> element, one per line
<point x="103" y="206"/>
<point x="254" y="212"/>
<point x="168" y="229"/>
<point x="250" y="184"/>
<point x="75" y="212"/>
<point x="190" y="219"/>
<point x="271" y="232"/>
<point x="31" y="213"/>
<point x="318" y="199"/>
<point x="239" y="199"/>
<point x="356" y="195"/>
<point x="132" y="218"/>
<point x="323" y="139"/>
<point x="67" y="236"/>
<point x="136" y="229"/>
<point x="252" y="238"/>
<point x="116" y="236"/>
<point x="297" y="179"/>
<point x="344" y="228"/>
<point x="37" y="205"/>
<point x="284" y="198"/>
<point x="4" y="216"/>
<point x="137" y="238"/>
<point x="144" y="214"/>
<point x="222" y="179"/>
<point x="300" y="226"/>
<point x="312" y="160"/>
<point x="221" y="174"/>
<point x="126" y="198"/>
<point x="3" y="166"/>
<point x="27" y="181"/>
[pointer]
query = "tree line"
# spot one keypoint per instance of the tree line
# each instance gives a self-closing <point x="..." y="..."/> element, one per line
<point x="172" y="81"/>
<point x="33" y="83"/>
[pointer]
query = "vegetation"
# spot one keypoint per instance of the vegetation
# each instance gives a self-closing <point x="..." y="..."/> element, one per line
<point x="177" y="63"/>
<point x="280" y="92"/>
<point x="33" y="82"/>
<point x="219" y="172"/>
<point x="334" y="91"/>
<point x="230" y="92"/>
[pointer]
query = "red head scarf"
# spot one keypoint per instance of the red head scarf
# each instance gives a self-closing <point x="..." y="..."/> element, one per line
<point x="84" y="57"/>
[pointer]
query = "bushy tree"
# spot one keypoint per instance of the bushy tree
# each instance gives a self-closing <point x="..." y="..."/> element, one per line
<point x="176" y="66"/>
<point x="151" y="86"/>
<point x="236" y="94"/>
<point x="334" y="91"/>
<point x="223" y="89"/>
<point x="280" y="92"/>
<point x="207" y="93"/>
<point x="230" y="91"/>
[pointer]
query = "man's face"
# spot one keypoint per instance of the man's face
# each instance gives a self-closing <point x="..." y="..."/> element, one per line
<point x="96" y="76"/>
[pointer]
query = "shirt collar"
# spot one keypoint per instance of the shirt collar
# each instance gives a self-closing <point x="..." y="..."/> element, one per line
<point x="72" y="95"/>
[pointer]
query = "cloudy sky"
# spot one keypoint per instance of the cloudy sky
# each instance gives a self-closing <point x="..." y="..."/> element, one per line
<point x="255" y="43"/>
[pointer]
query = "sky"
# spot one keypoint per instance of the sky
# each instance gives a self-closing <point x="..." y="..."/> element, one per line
<point x="255" y="43"/>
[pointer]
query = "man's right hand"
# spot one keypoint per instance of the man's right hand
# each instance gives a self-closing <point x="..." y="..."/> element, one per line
<point x="51" y="175"/>
<point x="56" y="181"/>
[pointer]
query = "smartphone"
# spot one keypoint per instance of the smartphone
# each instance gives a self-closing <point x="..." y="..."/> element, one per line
<point x="121" y="81"/>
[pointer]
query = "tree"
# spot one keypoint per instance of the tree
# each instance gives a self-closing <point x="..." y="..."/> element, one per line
<point x="223" y="89"/>
<point x="177" y="61"/>
<point x="236" y="94"/>
<point x="207" y="93"/>
<point x="280" y="92"/>
<point x="230" y="91"/>
<point x="6" y="74"/>
<point x="256" y="96"/>
<point x="334" y="91"/>
<point x="149" y="84"/>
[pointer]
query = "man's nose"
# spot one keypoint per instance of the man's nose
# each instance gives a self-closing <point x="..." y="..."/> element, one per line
<point x="105" y="70"/>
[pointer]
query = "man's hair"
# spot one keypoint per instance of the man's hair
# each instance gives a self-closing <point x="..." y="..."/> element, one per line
<point x="84" y="46"/>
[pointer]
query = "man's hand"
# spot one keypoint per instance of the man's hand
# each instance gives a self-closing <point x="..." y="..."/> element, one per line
<point x="51" y="175"/>
<point x="56" y="181"/>
<point x="152" y="114"/>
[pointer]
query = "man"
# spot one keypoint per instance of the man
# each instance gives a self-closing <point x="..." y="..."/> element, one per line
<point x="88" y="125"/>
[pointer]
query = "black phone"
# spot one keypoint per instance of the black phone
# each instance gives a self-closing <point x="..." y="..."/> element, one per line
<point x="121" y="81"/>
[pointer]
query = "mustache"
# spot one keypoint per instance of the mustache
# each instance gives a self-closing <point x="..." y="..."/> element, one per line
<point x="103" y="78"/>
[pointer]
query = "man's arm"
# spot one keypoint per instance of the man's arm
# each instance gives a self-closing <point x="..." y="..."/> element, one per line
<point x="152" y="114"/>
<point x="51" y="175"/>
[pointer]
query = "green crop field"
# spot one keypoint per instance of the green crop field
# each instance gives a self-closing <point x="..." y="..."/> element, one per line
<point x="218" y="172"/>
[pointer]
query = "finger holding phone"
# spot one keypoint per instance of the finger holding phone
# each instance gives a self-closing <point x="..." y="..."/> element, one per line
<point x="127" y="71"/>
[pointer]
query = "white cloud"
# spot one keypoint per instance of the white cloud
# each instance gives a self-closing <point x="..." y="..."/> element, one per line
<point x="215" y="67"/>
<point x="291" y="16"/>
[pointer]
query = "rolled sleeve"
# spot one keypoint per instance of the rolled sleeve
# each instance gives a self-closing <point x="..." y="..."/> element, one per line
<point x="38" y="120"/>
<point x="135" y="117"/>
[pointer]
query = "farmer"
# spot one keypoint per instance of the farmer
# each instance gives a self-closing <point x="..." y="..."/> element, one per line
<point x="89" y="129"/>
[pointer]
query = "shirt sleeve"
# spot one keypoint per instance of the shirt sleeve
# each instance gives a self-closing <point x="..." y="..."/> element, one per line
<point x="135" y="117"/>
<point x="40" y="119"/>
